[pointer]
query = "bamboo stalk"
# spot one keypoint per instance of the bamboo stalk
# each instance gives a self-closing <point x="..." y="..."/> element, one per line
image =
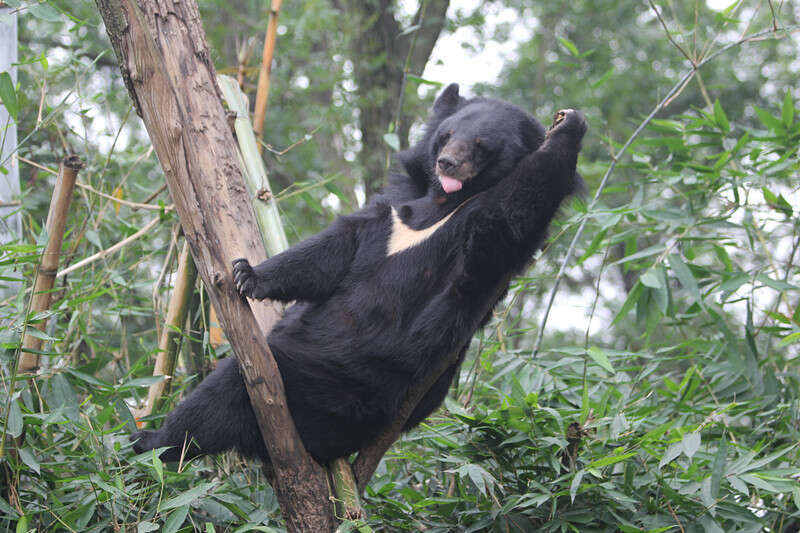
<point x="255" y="174"/>
<point x="171" y="334"/>
<point x="262" y="93"/>
<point x="46" y="271"/>
<point x="348" y="504"/>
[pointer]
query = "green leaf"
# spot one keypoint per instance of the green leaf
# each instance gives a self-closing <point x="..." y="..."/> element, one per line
<point x="720" y="118"/>
<point x="29" y="459"/>
<point x="718" y="467"/>
<point x="22" y="525"/>
<point x="673" y="451"/>
<point x="8" y="95"/>
<point x="575" y="485"/>
<point x="187" y="497"/>
<point x="599" y="356"/>
<point x="787" y="110"/>
<point x="768" y="120"/>
<point x="789" y="339"/>
<point x="45" y="12"/>
<point x="610" y="460"/>
<point x="593" y="246"/>
<point x="569" y="45"/>
<point x="158" y="467"/>
<point x="651" y="279"/>
<point x="685" y="276"/>
<point x="145" y="527"/>
<point x="392" y="140"/>
<point x="602" y="79"/>
<point x="631" y="301"/>
<point x="15" y="424"/>
<point x="424" y="81"/>
<point x="691" y="443"/>
<point x="176" y="519"/>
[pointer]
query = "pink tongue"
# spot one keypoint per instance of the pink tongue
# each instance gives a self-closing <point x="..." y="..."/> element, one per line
<point x="450" y="184"/>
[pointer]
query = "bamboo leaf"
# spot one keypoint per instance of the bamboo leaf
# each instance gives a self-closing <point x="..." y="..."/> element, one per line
<point x="720" y="118"/>
<point x="787" y="110"/>
<point x="8" y="95"/>
<point x="569" y="45"/>
<point x="685" y="276"/>
<point x="599" y="356"/>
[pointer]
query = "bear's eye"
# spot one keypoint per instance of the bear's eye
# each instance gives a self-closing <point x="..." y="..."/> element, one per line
<point x="482" y="149"/>
<point x="441" y="140"/>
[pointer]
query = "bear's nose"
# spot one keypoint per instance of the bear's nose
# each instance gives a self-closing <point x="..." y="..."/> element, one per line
<point x="446" y="164"/>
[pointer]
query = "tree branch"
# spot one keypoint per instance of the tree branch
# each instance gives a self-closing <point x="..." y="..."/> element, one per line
<point x="428" y="32"/>
<point x="369" y="456"/>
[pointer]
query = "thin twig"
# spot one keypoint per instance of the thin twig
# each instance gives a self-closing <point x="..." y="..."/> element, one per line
<point x="37" y="165"/>
<point x="304" y="138"/>
<point x="153" y="196"/>
<point x="666" y="30"/>
<point x="108" y="251"/>
<point x="686" y="77"/>
<point x="136" y="205"/>
<point x="675" y="516"/>
<point x="774" y="16"/>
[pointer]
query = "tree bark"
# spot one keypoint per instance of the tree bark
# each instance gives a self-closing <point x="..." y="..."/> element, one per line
<point x="167" y="69"/>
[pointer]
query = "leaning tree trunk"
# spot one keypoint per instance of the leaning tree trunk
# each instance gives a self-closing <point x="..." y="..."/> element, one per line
<point x="167" y="69"/>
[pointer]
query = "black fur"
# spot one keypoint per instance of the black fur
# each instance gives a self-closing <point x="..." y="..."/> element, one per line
<point x="367" y="325"/>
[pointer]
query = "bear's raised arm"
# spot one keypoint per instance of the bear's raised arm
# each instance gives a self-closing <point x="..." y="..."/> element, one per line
<point x="309" y="270"/>
<point x="533" y="192"/>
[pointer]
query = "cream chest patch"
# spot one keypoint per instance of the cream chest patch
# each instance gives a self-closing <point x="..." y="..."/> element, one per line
<point x="403" y="237"/>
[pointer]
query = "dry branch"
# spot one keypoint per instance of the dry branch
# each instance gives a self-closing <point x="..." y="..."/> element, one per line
<point x="46" y="272"/>
<point x="110" y="250"/>
<point x="262" y="93"/>
<point x="167" y="69"/>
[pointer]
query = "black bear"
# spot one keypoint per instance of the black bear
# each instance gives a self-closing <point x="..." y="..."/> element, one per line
<point x="386" y="292"/>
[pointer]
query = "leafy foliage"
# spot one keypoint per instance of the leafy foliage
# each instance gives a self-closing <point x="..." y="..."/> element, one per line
<point x="665" y="397"/>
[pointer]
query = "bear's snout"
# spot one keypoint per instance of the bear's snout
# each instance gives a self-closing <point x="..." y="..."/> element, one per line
<point x="446" y="164"/>
<point x="455" y="160"/>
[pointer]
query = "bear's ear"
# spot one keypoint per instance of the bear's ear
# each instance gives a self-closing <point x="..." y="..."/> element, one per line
<point x="448" y="101"/>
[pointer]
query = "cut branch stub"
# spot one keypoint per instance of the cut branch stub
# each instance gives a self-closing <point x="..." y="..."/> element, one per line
<point x="46" y="273"/>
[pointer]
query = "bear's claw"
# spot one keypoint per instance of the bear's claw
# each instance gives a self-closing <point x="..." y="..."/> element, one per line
<point x="560" y="115"/>
<point x="243" y="276"/>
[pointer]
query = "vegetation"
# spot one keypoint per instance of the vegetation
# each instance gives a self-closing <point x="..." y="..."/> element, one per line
<point x="664" y="394"/>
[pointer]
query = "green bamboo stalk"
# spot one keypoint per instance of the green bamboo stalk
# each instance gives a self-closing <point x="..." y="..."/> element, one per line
<point x="266" y="209"/>
<point x="171" y="334"/>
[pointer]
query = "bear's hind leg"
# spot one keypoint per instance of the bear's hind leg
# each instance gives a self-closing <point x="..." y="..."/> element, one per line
<point x="215" y="417"/>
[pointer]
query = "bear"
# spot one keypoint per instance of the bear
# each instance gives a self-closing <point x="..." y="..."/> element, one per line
<point x="383" y="294"/>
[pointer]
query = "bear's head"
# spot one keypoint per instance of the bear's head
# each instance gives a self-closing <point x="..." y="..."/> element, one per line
<point x="470" y="145"/>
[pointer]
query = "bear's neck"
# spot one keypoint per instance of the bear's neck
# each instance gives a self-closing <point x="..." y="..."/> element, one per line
<point x="424" y="212"/>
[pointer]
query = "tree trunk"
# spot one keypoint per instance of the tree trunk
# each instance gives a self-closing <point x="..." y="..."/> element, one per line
<point x="167" y="69"/>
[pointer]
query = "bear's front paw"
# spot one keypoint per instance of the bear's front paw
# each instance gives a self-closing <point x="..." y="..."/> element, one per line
<point x="569" y="121"/>
<point x="245" y="279"/>
<point x="144" y="441"/>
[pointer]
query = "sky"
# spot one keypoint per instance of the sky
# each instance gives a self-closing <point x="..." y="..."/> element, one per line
<point x="450" y="56"/>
